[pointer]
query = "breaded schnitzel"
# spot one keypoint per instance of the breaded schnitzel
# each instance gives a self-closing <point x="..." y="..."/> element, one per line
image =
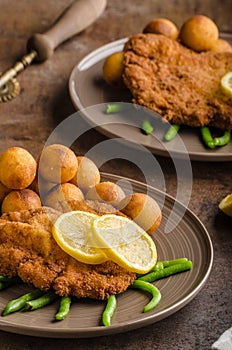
<point x="28" y="249"/>
<point x="181" y="85"/>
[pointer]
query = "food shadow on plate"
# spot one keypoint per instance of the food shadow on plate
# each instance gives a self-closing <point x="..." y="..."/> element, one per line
<point x="112" y="93"/>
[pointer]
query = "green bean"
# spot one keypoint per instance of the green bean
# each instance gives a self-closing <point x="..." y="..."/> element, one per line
<point x="14" y="279"/>
<point x="207" y="137"/>
<point x="115" y="108"/>
<point x="4" y="285"/>
<point x="223" y="140"/>
<point x="171" y="132"/>
<point x="166" y="272"/>
<point x="158" y="266"/>
<point x="147" y="128"/>
<point x="167" y="263"/>
<point x="17" y="304"/>
<point x="40" y="302"/>
<point x="8" y="281"/>
<point x="65" y="303"/>
<point x="148" y="287"/>
<point x="109" y="310"/>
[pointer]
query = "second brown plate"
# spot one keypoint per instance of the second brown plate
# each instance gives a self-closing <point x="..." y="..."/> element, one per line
<point x="87" y="89"/>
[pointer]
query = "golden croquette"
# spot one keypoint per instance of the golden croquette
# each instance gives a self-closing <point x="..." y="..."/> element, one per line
<point x="57" y="163"/>
<point x="63" y="192"/>
<point x="199" y="33"/>
<point x="107" y="192"/>
<point x="18" y="200"/>
<point x="162" y="26"/>
<point x="17" y="168"/>
<point x="87" y="174"/>
<point x="143" y="209"/>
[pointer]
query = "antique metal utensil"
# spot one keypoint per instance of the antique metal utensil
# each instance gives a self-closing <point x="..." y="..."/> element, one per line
<point x="76" y="18"/>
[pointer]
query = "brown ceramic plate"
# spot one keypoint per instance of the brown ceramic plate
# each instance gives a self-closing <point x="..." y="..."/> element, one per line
<point x="188" y="239"/>
<point x="87" y="88"/>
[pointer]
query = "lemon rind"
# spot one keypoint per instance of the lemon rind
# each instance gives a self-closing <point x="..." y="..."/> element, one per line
<point x="113" y="254"/>
<point x="94" y="259"/>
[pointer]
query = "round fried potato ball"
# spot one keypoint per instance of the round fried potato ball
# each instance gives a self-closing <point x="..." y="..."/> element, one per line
<point x="143" y="209"/>
<point x="57" y="163"/>
<point x="20" y="200"/>
<point x="17" y="168"/>
<point x="3" y="191"/>
<point x="199" y="33"/>
<point x="162" y="26"/>
<point x="87" y="174"/>
<point x="106" y="192"/>
<point x="113" y="69"/>
<point x="61" y="193"/>
<point x="221" y="45"/>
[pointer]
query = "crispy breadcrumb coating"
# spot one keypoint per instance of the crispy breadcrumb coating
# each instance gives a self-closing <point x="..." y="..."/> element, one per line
<point x="28" y="249"/>
<point x="181" y="85"/>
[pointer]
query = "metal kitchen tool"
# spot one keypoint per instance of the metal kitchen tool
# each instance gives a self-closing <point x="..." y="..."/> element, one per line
<point x="75" y="18"/>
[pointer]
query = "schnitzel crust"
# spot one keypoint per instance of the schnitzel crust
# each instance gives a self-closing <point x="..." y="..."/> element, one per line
<point x="28" y="249"/>
<point x="181" y="85"/>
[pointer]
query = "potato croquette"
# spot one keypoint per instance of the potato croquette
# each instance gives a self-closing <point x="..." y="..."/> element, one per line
<point x="221" y="45"/>
<point x="143" y="209"/>
<point x="17" y="168"/>
<point x="199" y="33"/>
<point x="18" y="200"/>
<point x="61" y="193"/>
<point x="87" y="174"/>
<point x="57" y="163"/>
<point x="162" y="26"/>
<point x="107" y="192"/>
<point x="113" y="68"/>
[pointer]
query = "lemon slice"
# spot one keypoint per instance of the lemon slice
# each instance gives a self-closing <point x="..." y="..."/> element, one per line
<point x="73" y="233"/>
<point x="126" y="243"/>
<point x="226" y="83"/>
<point x="226" y="205"/>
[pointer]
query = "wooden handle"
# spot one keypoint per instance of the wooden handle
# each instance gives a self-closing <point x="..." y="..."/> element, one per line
<point x="76" y="18"/>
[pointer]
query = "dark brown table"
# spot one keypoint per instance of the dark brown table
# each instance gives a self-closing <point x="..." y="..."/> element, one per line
<point x="44" y="102"/>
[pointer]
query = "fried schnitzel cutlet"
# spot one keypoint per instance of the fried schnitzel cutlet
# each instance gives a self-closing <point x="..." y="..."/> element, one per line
<point x="28" y="249"/>
<point x="181" y="85"/>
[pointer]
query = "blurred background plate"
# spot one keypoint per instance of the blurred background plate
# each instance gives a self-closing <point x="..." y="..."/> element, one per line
<point x="87" y="88"/>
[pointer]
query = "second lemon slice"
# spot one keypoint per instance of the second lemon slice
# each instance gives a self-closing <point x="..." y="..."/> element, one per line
<point x="126" y="243"/>
<point x="74" y="234"/>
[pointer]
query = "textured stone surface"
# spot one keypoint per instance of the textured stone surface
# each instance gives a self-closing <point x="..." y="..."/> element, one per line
<point x="44" y="102"/>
